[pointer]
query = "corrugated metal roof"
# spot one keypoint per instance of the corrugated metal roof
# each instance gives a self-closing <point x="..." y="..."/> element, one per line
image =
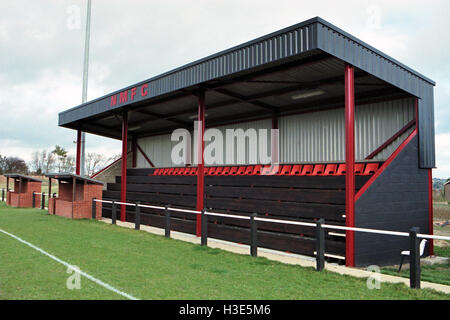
<point x="312" y="37"/>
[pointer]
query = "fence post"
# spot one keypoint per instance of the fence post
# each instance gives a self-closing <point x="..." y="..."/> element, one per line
<point x="33" y="199"/>
<point x="113" y="214"/>
<point x="414" y="259"/>
<point x="3" y="194"/>
<point x="137" y="217"/>
<point x="320" y="245"/>
<point x="94" y="209"/>
<point x="253" y="235"/>
<point x="167" y="229"/>
<point x="204" y="239"/>
<point x="43" y="201"/>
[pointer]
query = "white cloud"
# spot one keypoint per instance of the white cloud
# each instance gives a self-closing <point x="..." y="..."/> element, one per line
<point x="41" y="60"/>
<point x="442" y="155"/>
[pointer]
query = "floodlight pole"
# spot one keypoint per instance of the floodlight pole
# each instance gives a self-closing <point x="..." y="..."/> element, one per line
<point x="85" y="82"/>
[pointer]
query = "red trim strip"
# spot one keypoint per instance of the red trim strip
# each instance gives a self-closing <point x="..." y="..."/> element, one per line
<point x="144" y="155"/>
<point x="107" y="167"/>
<point x="385" y="164"/>
<point x="430" y="209"/>
<point x="350" y="164"/>
<point x="200" y="165"/>
<point x="391" y="139"/>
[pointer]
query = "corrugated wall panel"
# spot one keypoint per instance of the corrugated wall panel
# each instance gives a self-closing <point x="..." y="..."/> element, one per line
<point x="320" y="136"/>
<point x="158" y="149"/>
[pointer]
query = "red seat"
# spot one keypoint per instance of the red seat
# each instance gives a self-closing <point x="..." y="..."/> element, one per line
<point x="170" y="172"/>
<point x="181" y="171"/>
<point x="175" y="172"/>
<point x="225" y="171"/>
<point x="330" y="169"/>
<point x="233" y="171"/>
<point x="341" y="169"/>
<point x="359" y="168"/>
<point x="318" y="169"/>
<point x="285" y="170"/>
<point x="218" y="171"/>
<point x="371" y="168"/>
<point x="296" y="170"/>
<point x="257" y="170"/>
<point x="205" y="170"/>
<point x="307" y="169"/>
<point x="193" y="171"/>
<point x="156" y="172"/>
<point x="241" y="171"/>
<point x="211" y="171"/>
<point x="248" y="170"/>
<point x="166" y="171"/>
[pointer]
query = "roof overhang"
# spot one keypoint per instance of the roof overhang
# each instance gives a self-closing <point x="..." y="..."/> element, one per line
<point x="21" y="176"/>
<point x="70" y="177"/>
<point x="297" y="69"/>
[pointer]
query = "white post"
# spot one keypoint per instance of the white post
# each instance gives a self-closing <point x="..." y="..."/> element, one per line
<point x="85" y="83"/>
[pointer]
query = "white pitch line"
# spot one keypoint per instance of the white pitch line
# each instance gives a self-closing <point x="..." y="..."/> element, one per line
<point x="97" y="281"/>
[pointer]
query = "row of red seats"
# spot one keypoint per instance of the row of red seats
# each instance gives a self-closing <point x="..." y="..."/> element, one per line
<point x="283" y="170"/>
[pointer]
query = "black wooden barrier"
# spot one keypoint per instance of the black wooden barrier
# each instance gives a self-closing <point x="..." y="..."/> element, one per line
<point x="253" y="236"/>
<point x="320" y="245"/>
<point x="94" y="209"/>
<point x="137" y="217"/>
<point x="114" y="213"/>
<point x="33" y="200"/>
<point x="43" y="201"/>
<point x="167" y="229"/>
<point x="414" y="257"/>
<point x="3" y="194"/>
<point x="204" y="237"/>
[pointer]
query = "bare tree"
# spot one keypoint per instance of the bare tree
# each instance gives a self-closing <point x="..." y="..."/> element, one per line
<point x="94" y="162"/>
<point x="42" y="162"/>
<point x="48" y="161"/>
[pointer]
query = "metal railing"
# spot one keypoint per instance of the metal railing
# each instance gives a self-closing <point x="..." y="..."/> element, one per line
<point x="4" y="192"/>
<point x="413" y="234"/>
<point x="43" y="196"/>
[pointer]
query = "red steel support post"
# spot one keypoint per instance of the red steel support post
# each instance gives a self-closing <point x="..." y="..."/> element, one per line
<point x="123" y="181"/>
<point x="350" y="164"/>
<point x="78" y="161"/>
<point x="200" y="165"/>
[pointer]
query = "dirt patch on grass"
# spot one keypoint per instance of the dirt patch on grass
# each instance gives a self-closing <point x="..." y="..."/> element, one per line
<point x="441" y="243"/>
<point x="441" y="211"/>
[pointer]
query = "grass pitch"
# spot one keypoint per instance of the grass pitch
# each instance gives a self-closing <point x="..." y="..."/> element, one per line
<point x="148" y="266"/>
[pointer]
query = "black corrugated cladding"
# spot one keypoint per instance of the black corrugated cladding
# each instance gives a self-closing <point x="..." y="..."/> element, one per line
<point x="397" y="200"/>
<point x="349" y="49"/>
<point x="312" y="36"/>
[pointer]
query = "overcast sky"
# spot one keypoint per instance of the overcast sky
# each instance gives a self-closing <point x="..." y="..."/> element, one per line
<point x="41" y="52"/>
